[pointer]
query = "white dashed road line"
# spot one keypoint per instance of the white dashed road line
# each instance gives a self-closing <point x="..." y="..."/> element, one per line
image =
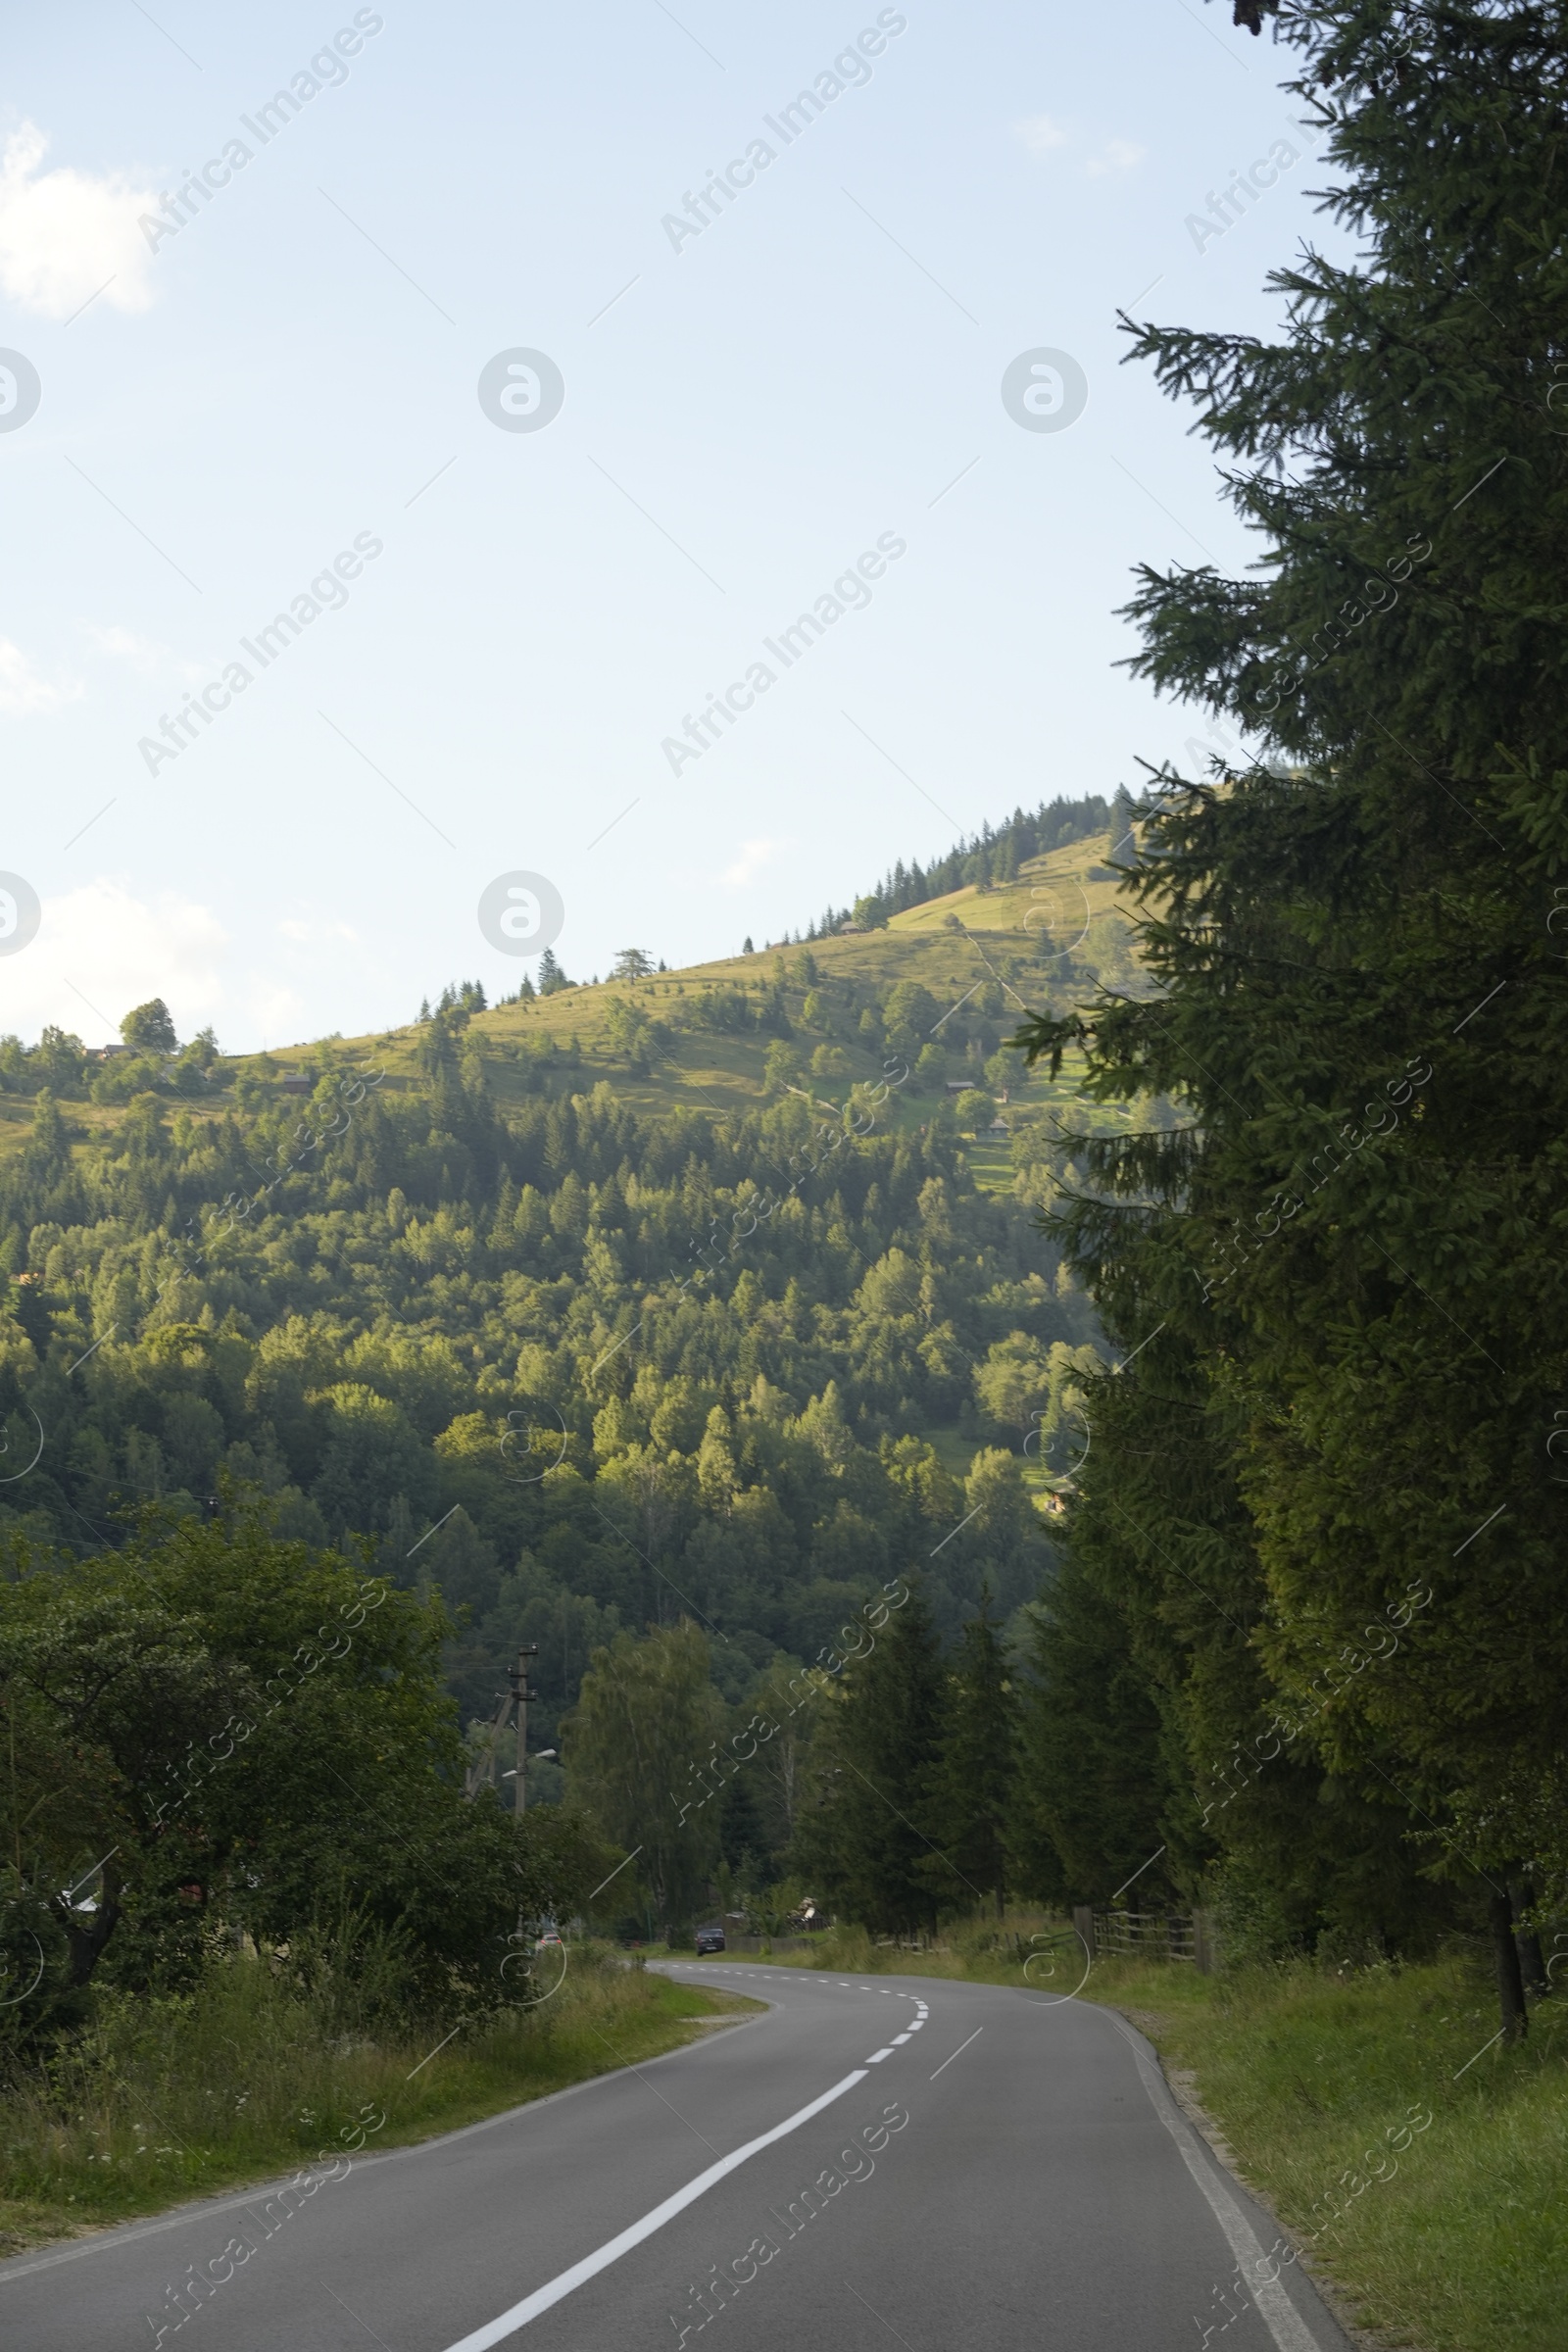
<point x="841" y="1984"/>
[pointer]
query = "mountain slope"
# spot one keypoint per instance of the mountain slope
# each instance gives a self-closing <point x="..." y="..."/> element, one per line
<point x="593" y="1311"/>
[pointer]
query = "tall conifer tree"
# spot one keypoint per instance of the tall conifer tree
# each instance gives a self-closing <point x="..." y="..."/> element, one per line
<point x="863" y="1835"/>
<point x="1351" y="1249"/>
<point x="972" y="1781"/>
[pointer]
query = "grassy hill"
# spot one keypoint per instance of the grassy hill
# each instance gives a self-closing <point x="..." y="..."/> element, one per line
<point x="1021" y="943"/>
<point x="983" y="956"/>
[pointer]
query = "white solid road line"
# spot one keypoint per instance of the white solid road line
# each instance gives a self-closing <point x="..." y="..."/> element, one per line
<point x="495" y="2331"/>
<point x="1278" y="2313"/>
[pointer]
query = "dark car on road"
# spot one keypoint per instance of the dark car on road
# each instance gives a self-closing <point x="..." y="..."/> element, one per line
<point x="710" y="1939"/>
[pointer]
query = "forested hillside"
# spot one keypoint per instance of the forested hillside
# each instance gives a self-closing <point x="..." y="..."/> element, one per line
<point x="578" y="1363"/>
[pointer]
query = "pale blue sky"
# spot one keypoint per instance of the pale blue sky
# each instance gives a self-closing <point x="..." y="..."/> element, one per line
<point x="291" y="370"/>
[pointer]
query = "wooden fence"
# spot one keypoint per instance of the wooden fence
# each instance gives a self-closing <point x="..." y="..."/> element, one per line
<point x="1148" y="1935"/>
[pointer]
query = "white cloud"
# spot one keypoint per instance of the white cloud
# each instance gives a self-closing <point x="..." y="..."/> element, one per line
<point x="145" y="655"/>
<point x="25" y="692"/>
<point x="755" y="855"/>
<point x="1040" y="134"/>
<point x="100" y="950"/>
<point x="1117" y="155"/>
<point x="63" y="233"/>
<point x="315" y="928"/>
<point x="142" y="653"/>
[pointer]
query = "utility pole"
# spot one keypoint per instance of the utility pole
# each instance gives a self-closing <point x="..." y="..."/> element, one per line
<point x="521" y="1693"/>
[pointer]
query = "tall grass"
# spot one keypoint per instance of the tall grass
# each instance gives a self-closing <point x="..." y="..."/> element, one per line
<point x="162" y="2100"/>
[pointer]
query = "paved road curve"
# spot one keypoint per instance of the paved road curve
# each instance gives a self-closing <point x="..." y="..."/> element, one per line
<point x="897" y="2160"/>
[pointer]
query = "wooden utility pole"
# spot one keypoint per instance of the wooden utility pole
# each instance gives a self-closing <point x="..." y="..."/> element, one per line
<point x="521" y="1693"/>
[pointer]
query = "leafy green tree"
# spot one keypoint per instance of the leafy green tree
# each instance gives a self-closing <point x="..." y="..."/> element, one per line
<point x="909" y="1014"/>
<point x="1004" y="1542"/>
<point x="781" y="1067"/>
<point x="778" y="1772"/>
<point x="221" y="1730"/>
<point x="150" y="1028"/>
<point x="640" y="1749"/>
<point x="371" y="1454"/>
<point x="1013" y="1384"/>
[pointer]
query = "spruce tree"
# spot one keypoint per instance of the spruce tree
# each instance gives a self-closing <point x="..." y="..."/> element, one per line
<point x="1123" y="842"/>
<point x="1352" y="1246"/>
<point x="1090" y="1787"/>
<point x="971" y="1789"/>
<point x="862" y="1838"/>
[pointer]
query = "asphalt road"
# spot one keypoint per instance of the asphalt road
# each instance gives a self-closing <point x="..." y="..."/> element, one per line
<point x="894" y="2160"/>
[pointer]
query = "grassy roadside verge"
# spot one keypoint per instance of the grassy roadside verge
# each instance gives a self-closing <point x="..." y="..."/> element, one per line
<point x="1449" y="2234"/>
<point x="164" y="2101"/>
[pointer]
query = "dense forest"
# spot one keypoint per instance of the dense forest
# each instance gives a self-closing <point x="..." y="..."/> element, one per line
<point x="574" y="1368"/>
